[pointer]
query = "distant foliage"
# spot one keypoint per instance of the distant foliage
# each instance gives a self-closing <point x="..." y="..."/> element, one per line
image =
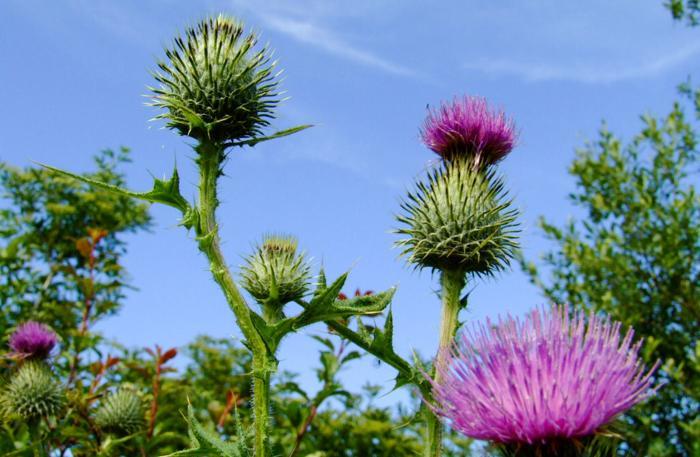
<point x="636" y="256"/>
<point x="687" y="10"/>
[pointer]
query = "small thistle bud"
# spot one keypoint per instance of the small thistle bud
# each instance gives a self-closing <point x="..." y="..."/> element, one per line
<point x="33" y="392"/>
<point x="467" y="128"/>
<point x="275" y="273"/>
<point x="459" y="219"/>
<point x="214" y="86"/>
<point x="121" y="413"/>
<point x="33" y="340"/>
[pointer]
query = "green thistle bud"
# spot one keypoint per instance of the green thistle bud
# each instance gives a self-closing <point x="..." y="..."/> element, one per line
<point x="214" y="86"/>
<point x="121" y="413"/>
<point x="459" y="219"/>
<point x="275" y="273"/>
<point x="33" y="392"/>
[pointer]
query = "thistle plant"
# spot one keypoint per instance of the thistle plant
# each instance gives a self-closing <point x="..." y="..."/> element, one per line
<point x="546" y="385"/>
<point x="459" y="221"/>
<point x="121" y="413"/>
<point x="33" y="392"/>
<point x="218" y="88"/>
<point x="215" y="86"/>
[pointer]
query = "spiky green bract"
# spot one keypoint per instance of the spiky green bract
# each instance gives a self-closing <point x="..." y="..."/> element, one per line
<point x="276" y="274"/>
<point x="33" y="392"/>
<point x="121" y="413"/>
<point x="214" y="85"/>
<point x="459" y="219"/>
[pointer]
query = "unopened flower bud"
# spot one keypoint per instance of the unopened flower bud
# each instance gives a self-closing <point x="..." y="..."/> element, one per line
<point x="214" y="86"/>
<point x="276" y="274"/>
<point x="459" y="219"/>
<point x="121" y="413"/>
<point x="33" y="392"/>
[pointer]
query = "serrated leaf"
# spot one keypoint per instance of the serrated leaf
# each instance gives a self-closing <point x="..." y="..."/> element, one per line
<point x="207" y="443"/>
<point x="166" y="192"/>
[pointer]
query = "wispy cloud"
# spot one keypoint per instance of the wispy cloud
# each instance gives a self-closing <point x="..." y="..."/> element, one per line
<point x="311" y="34"/>
<point x="587" y="73"/>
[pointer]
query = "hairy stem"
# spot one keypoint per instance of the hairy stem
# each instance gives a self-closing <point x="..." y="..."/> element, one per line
<point x="452" y="283"/>
<point x="209" y="161"/>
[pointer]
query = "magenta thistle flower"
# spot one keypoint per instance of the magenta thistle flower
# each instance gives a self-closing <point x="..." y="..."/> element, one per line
<point x="33" y="340"/>
<point x="467" y="127"/>
<point x="554" y="376"/>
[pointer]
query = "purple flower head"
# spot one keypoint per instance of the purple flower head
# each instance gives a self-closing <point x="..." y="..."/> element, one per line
<point x="467" y="127"/>
<point x="555" y="376"/>
<point x="33" y="340"/>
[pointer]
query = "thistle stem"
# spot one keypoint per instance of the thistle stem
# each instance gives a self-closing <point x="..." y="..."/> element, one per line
<point x="209" y="161"/>
<point x="452" y="282"/>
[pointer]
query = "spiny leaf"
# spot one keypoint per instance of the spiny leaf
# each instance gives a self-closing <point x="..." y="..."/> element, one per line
<point x="260" y="139"/>
<point x="166" y="192"/>
<point x="207" y="443"/>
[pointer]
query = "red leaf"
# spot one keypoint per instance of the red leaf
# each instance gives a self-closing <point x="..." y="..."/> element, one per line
<point x="168" y="355"/>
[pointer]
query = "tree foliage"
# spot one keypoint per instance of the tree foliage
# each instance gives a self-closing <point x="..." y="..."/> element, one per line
<point x="634" y="253"/>
<point x="686" y="10"/>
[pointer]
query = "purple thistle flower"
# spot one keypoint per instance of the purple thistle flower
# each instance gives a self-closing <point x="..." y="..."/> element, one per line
<point x="467" y="127"/>
<point x="556" y="376"/>
<point x="33" y="340"/>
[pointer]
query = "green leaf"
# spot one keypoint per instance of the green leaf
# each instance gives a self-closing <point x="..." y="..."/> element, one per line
<point x="166" y="192"/>
<point x="207" y="443"/>
<point x="327" y="308"/>
<point x="280" y="134"/>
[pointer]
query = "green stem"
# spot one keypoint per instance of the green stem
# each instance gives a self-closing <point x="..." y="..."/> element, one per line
<point x="209" y="161"/>
<point x="452" y="282"/>
<point x="35" y="438"/>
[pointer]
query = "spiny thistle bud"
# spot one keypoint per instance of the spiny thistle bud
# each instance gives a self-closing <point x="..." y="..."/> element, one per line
<point x="275" y="273"/>
<point x="215" y="86"/>
<point x="468" y="128"/>
<point x="547" y="385"/>
<point x="33" y="340"/>
<point x="33" y="392"/>
<point x="459" y="219"/>
<point x="121" y="413"/>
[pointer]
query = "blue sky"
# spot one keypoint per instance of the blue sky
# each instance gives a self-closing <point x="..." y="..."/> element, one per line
<point x="74" y="75"/>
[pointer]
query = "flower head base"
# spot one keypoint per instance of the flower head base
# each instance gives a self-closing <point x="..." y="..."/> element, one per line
<point x="468" y="128"/>
<point x="121" y="413"/>
<point x="214" y="86"/>
<point x="275" y="274"/>
<point x="33" y="340"/>
<point x="33" y="392"/>
<point x="555" y="376"/>
<point x="459" y="219"/>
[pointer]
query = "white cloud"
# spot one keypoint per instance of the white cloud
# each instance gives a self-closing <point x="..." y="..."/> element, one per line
<point x="588" y="73"/>
<point x="309" y="33"/>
